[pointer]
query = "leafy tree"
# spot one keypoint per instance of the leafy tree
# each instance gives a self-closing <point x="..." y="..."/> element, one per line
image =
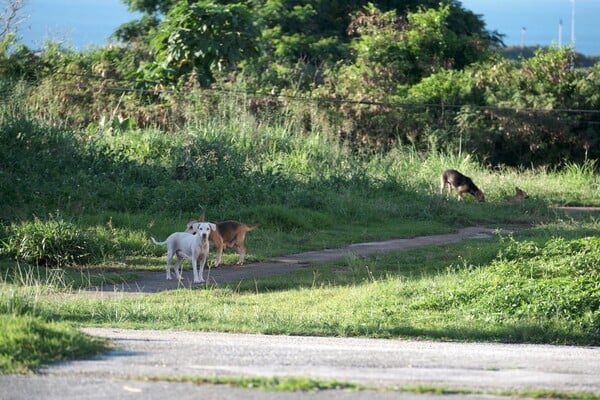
<point x="392" y="55"/>
<point x="201" y="38"/>
<point x="294" y="29"/>
<point x="543" y="81"/>
<point x="150" y="6"/>
<point x="393" y="52"/>
<point x="302" y="38"/>
<point x="138" y="32"/>
<point x="299" y="38"/>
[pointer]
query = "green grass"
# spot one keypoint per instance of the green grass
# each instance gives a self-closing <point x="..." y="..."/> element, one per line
<point x="79" y="208"/>
<point x="29" y="342"/>
<point x="277" y="384"/>
<point x="63" y="278"/>
<point x="477" y="290"/>
<point x="282" y="384"/>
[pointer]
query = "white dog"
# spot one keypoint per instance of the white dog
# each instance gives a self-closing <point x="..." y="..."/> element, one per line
<point x="188" y="246"/>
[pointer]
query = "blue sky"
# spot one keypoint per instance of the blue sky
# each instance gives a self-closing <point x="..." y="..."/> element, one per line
<point x="541" y="19"/>
<point x="84" y="22"/>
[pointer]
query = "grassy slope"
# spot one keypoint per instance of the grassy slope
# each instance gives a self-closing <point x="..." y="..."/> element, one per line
<point x="306" y="191"/>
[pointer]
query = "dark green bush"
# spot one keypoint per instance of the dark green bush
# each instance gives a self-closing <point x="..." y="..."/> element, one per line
<point x="52" y="243"/>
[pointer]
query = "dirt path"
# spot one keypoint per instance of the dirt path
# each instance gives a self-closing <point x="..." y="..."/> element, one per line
<point x="153" y="282"/>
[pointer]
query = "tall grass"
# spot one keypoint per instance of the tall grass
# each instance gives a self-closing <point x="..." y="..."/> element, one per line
<point x="272" y="168"/>
<point x="112" y="185"/>
<point x="28" y="340"/>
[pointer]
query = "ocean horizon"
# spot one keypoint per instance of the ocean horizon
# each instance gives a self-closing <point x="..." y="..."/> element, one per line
<point x="84" y="23"/>
<point x="543" y="22"/>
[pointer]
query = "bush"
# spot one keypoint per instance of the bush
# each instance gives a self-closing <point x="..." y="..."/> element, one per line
<point x="52" y="243"/>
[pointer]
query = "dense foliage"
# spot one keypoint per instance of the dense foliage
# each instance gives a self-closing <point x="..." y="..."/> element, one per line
<point x="419" y="73"/>
<point x="297" y="39"/>
<point x="200" y="38"/>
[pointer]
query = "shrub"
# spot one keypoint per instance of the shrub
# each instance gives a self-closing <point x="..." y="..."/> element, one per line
<point x="53" y="243"/>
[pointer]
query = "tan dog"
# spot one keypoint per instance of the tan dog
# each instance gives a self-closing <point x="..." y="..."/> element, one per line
<point x="519" y="196"/>
<point x="228" y="234"/>
<point x="188" y="246"/>
<point x="461" y="183"/>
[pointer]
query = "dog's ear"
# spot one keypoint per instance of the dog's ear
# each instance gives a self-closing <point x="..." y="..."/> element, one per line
<point x="213" y="227"/>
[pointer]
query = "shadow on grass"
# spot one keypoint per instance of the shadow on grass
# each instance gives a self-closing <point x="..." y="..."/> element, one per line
<point x="413" y="264"/>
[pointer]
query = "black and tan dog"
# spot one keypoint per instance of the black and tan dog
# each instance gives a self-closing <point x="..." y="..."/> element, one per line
<point x="461" y="183"/>
<point x="228" y="234"/>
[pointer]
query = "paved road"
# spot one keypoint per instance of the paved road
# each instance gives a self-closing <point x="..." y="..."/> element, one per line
<point x="377" y="362"/>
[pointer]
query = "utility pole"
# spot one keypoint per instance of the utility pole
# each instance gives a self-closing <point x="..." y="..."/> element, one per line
<point x="560" y="28"/>
<point x="573" y="24"/>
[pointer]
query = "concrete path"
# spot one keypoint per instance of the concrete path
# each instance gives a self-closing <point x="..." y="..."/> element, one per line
<point x="152" y="282"/>
<point x="483" y="370"/>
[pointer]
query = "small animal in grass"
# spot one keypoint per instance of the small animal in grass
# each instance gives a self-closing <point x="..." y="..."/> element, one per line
<point x="228" y="234"/>
<point x="453" y="179"/>
<point x="192" y="246"/>
<point x="519" y="196"/>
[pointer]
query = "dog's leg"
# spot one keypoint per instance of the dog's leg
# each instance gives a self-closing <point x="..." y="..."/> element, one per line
<point x="242" y="252"/>
<point x="238" y="246"/>
<point x="447" y="190"/>
<point x="168" y="267"/>
<point x="237" y="243"/>
<point x="219" y="245"/>
<point x="195" y="268"/>
<point x="198" y="278"/>
<point x="179" y="268"/>
<point x="202" y="263"/>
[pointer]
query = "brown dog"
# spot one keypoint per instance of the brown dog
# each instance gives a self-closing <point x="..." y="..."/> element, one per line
<point x="461" y="183"/>
<point x="519" y="196"/>
<point x="228" y="234"/>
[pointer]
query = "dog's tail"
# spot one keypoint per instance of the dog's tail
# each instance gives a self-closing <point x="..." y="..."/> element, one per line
<point x="158" y="243"/>
<point x="251" y="227"/>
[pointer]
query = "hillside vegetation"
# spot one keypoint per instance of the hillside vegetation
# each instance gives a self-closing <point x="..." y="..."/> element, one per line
<point x="79" y="206"/>
<point x="105" y="147"/>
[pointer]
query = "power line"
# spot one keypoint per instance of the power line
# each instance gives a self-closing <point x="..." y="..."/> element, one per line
<point x="402" y="105"/>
